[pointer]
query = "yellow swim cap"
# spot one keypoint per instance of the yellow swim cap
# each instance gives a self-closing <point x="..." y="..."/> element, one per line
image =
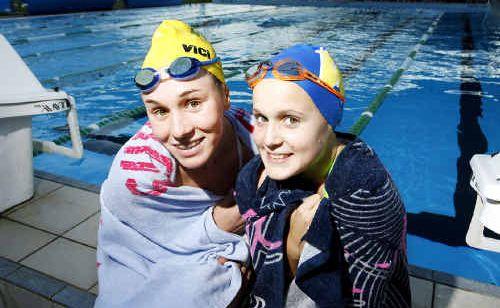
<point x="174" y="39"/>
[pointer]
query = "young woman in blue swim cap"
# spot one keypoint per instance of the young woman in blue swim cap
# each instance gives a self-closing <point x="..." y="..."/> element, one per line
<point x="166" y="204"/>
<point x="325" y="222"/>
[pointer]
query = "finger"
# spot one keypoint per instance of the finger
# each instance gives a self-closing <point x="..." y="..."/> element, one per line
<point x="222" y="260"/>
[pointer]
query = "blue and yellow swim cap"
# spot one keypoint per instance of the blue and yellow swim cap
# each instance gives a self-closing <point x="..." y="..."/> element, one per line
<point x="174" y="39"/>
<point x="319" y="62"/>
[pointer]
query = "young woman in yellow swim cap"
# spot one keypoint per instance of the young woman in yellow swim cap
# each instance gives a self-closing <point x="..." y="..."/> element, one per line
<point x="166" y="204"/>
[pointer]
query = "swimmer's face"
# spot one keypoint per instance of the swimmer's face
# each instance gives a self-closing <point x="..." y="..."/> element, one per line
<point x="290" y="132"/>
<point x="187" y="117"/>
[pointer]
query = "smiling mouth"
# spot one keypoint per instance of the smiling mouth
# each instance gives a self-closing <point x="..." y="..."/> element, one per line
<point x="277" y="157"/>
<point x="189" y="146"/>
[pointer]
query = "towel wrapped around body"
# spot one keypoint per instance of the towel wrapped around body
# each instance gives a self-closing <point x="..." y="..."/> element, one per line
<point x="158" y="244"/>
<point x="355" y="247"/>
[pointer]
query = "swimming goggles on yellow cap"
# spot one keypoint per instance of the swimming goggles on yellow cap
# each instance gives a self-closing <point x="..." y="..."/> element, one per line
<point x="182" y="68"/>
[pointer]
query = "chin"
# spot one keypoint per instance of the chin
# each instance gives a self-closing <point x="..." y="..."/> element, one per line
<point x="280" y="173"/>
<point x="193" y="163"/>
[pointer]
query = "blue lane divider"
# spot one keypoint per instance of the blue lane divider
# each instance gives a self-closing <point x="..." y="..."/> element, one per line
<point x="368" y="114"/>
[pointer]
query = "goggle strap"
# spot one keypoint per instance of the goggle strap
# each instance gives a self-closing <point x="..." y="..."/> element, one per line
<point x="209" y="62"/>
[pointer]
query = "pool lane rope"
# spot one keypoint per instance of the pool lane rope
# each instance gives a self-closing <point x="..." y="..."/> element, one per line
<point x="193" y="20"/>
<point x="79" y="77"/>
<point x="135" y="113"/>
<point x="380" y="40"/>
<point x="368" y="114"/>
<point x="90" y="46"/>
<point x="61" y="81"/>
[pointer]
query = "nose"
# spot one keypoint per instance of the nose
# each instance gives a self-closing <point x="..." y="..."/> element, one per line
<point x="272" y="138"/>
<point x="180" y="126"/>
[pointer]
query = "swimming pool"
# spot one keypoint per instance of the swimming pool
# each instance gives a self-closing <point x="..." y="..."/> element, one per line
<point x="444" y="108"/>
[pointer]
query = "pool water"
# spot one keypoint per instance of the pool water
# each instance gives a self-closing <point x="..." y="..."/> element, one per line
<point x="444" y="109"/>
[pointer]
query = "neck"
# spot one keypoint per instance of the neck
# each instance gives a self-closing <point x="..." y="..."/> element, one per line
<point x="318" y="171"/>
<point x="218" y="174"/>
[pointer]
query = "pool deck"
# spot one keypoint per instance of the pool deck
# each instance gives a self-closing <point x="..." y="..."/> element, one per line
<point x="48" y="246"/>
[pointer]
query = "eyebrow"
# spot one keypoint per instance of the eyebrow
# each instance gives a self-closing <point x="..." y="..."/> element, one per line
<point x="151" y="101"/>
<point x="187" y="92"/>
<point x="291" y="111"/>
<point x="282" y="112"/>
<point x="183" y="94"/>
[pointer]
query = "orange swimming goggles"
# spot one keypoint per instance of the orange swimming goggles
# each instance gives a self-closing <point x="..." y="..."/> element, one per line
<point x="287" y="70"/>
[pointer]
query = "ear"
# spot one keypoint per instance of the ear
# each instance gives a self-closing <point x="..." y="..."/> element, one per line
<point x="227" y="98"/>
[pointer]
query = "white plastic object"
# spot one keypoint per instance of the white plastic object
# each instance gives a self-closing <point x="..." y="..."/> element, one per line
<point x="486" y="182"/>
<point x="22" y="96"/>
<point x="486" y="179"/>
